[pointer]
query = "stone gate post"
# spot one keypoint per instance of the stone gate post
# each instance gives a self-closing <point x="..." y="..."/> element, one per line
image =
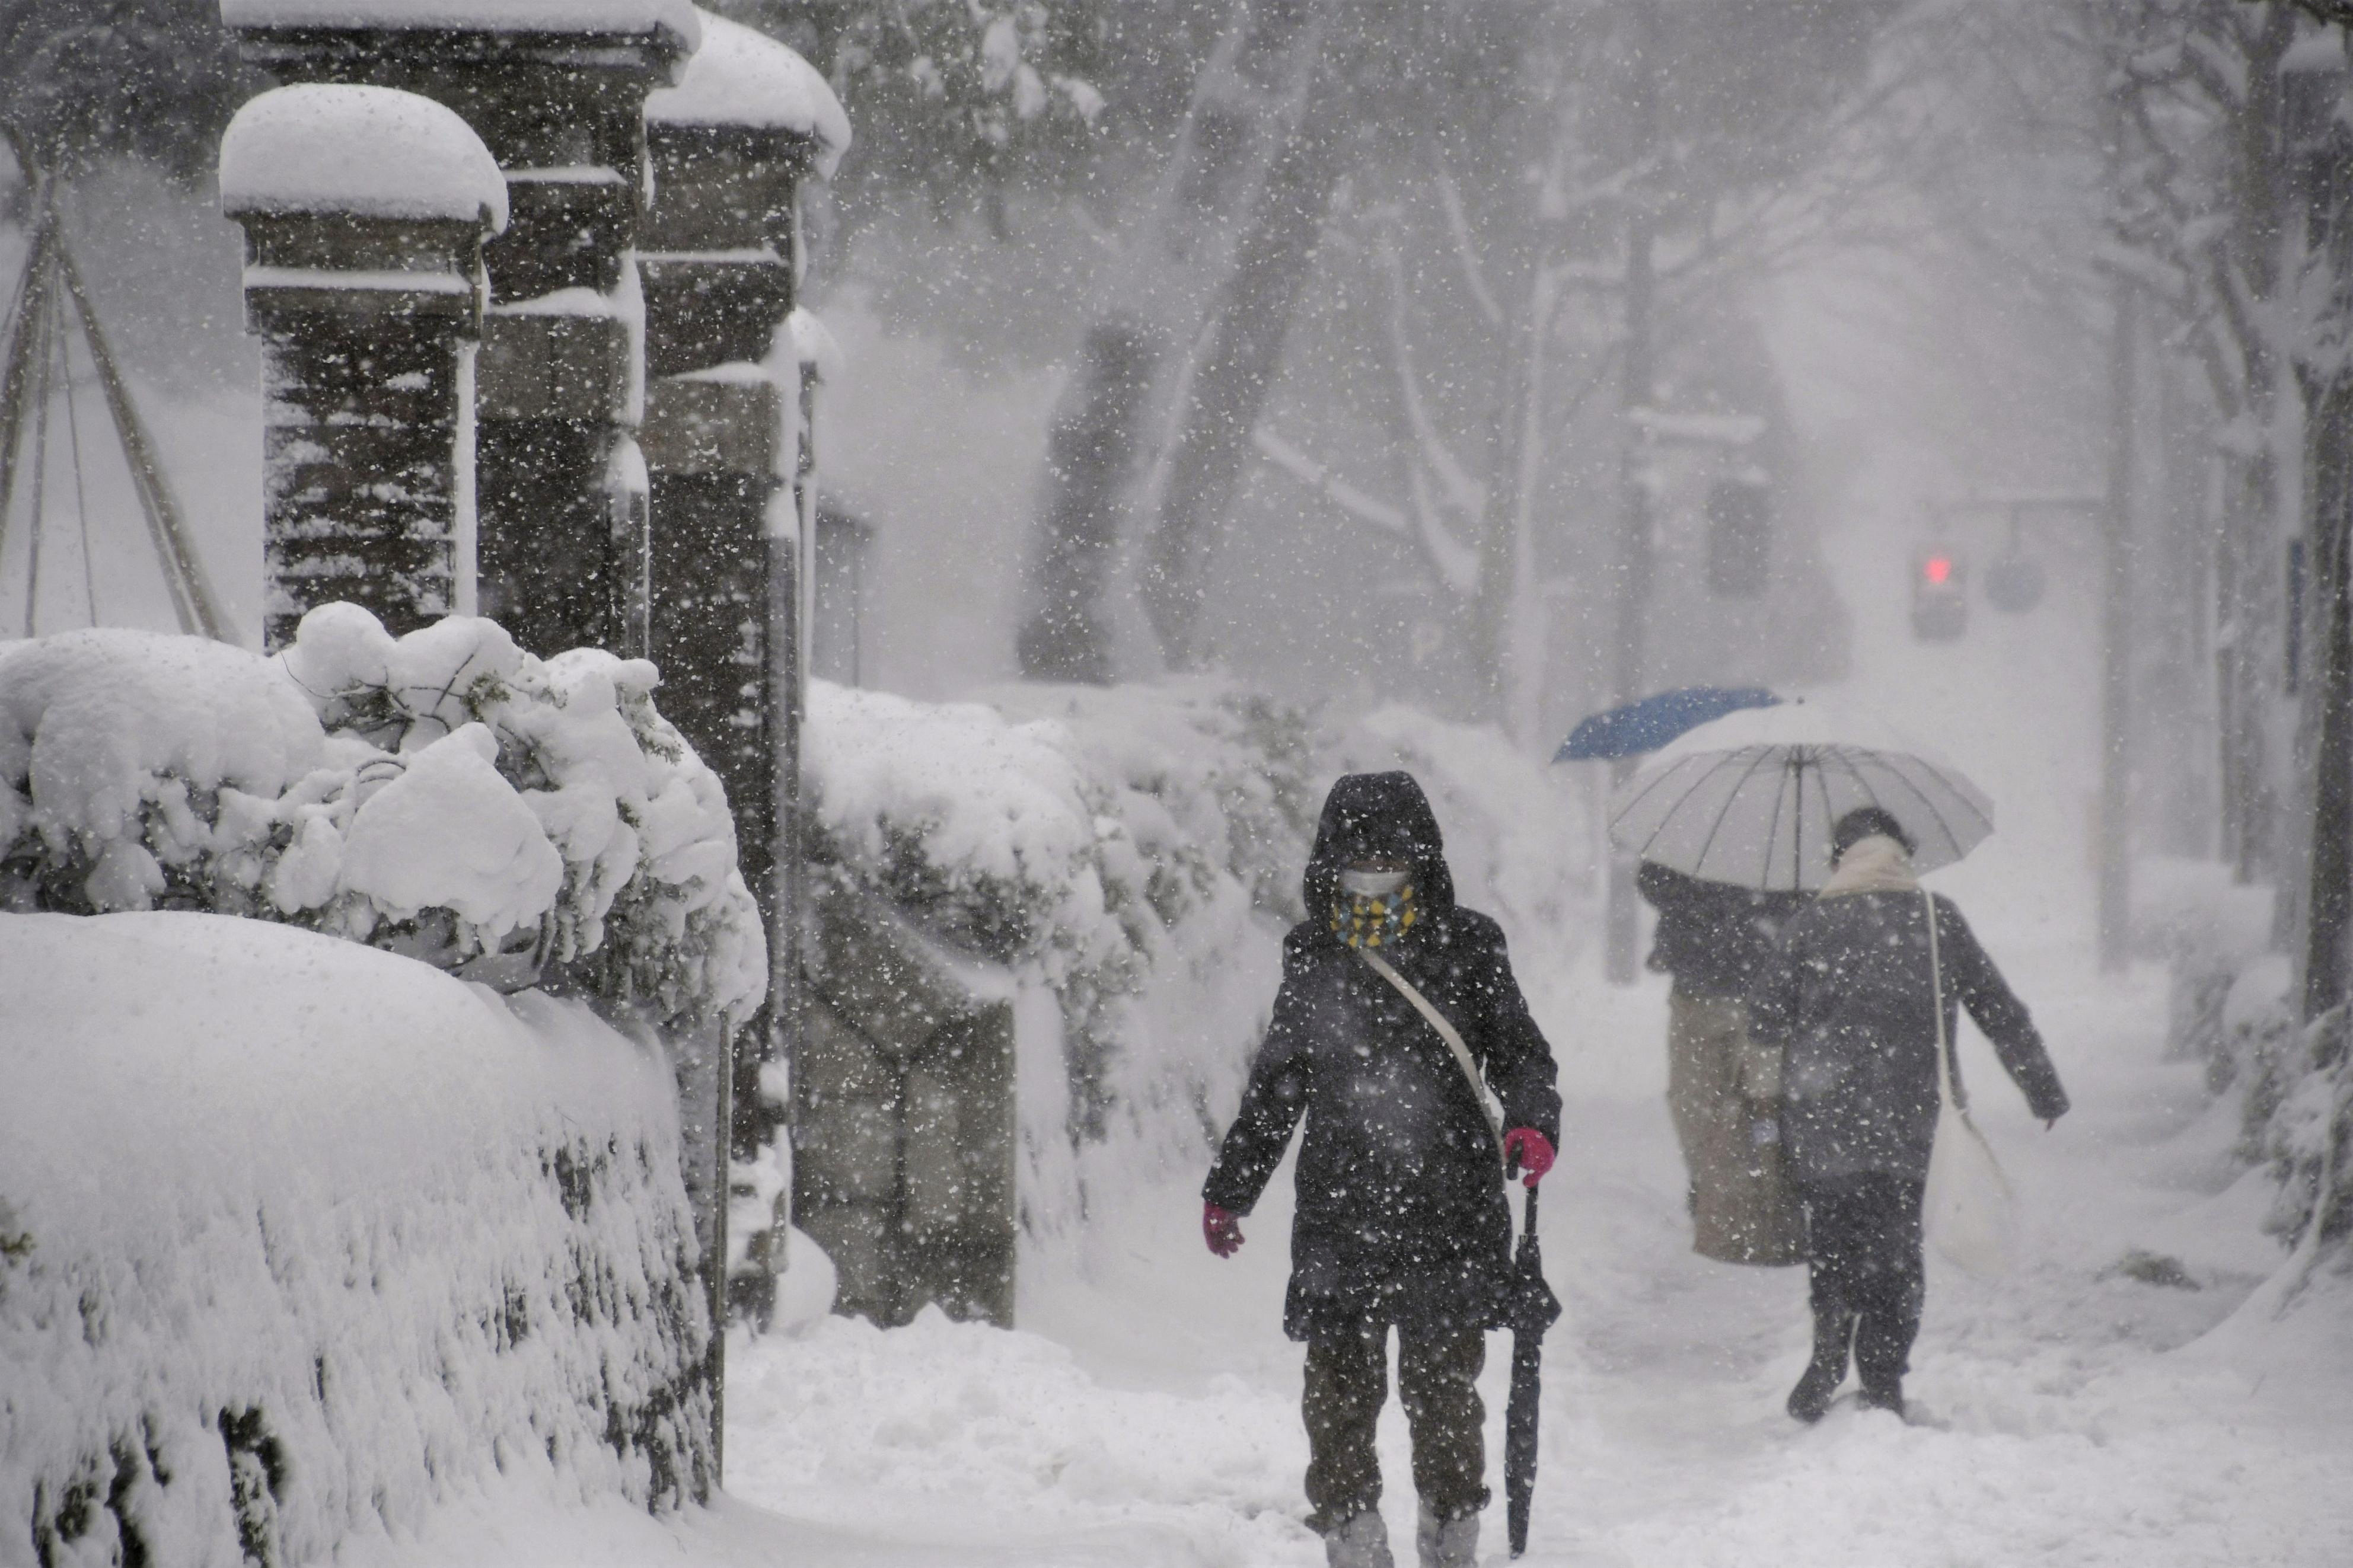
<point x="364" y="212"/>
<point x="730" y="146"/>
<point x="557" y="91"/>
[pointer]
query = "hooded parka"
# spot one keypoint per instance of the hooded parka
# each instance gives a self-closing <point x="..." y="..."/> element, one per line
<point x="1402" y="1218"/>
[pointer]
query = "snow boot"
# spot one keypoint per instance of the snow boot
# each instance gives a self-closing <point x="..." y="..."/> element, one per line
<point x="1877" y="1395"/>
<point x="1810" y="1400"/>
<point x="1447" y="1542"/>
<point x="1362" y="1542"/>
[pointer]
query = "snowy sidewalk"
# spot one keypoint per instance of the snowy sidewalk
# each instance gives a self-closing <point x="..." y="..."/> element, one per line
<point x="1147" y="1415"/>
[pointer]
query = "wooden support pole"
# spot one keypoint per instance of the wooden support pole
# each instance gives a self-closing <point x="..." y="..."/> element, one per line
<point x="32" y="309"/>
<point x="192" y="599"/>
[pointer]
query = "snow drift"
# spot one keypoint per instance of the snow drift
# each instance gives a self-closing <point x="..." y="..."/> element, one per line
<point x="300" y="1240"/>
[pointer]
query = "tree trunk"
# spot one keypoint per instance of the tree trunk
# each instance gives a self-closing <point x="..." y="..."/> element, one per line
<point x="1090" y="458"/>
<point x="1181" y="248"/>
<point x="2115" y="640"/>
<point x="2247" y="572"/>
<point x="1228" y="391"/>
<point x="2329" y="896"/>
<point x="2322" y="191"/>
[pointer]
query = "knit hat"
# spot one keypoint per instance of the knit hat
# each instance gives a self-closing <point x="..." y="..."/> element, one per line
<point x="1868" y="822"/>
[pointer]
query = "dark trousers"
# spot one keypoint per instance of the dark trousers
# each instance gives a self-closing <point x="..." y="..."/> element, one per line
<point x="1862" y="1249"/>
<point x="1347" y="1382"/>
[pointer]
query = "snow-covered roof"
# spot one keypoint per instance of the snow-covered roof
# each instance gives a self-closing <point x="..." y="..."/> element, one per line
<point x="740" y="76"/>
<point x="371" y="150"/>
<point x="677" y="18"/>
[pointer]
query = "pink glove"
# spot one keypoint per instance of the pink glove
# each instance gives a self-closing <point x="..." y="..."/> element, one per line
<point x="1531" y="1150"/>
<point x="1221" y="1230"/>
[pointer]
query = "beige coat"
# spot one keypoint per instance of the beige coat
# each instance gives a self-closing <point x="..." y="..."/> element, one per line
<point x="1744" y="1207"/>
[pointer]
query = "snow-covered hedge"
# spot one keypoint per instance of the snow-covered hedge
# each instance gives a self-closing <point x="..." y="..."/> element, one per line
<point x="2233" y="1008"/>
<point x="2304" y="1099"/>
<point x="299" y="1240"/>
<point x="444" y="795"/>
<point x="1132" y="856"/>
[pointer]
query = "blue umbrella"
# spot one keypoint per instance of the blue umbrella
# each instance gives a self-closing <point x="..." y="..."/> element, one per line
<point x="1647" y="725"/>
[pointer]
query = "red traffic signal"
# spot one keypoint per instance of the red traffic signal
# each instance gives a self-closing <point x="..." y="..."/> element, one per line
<point x="1940" y="600"/>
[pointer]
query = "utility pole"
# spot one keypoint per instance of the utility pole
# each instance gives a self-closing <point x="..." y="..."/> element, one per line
<point x="1634" y="545"/>
<point x="2115" y="638"/>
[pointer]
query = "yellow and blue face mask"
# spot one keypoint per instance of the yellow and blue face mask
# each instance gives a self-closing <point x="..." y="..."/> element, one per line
<point x="1375" y="908"/>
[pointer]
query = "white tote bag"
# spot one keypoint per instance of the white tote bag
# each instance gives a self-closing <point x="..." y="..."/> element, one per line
<point x="1970" y="1216"/>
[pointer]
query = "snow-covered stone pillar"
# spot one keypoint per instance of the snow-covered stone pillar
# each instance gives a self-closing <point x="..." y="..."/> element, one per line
<point x="730" y="146"/>
<point x="557" y="89"/>
<point x="364" y="213"/>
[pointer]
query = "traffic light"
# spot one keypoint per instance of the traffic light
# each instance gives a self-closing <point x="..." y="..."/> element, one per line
<point x="1740" y="538"/>
<point x="1940" y="599"/>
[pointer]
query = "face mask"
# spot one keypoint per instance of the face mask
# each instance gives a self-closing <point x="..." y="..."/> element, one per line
<point x="1372" y="884"/>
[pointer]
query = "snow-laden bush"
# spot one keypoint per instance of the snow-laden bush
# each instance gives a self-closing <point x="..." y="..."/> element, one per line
<point x="2209" y="930"/>
<point x="300" y="1240"/>
<point x="1084" y="838"/>
<point x="1132" y="856"/>
<point x="2233" y="1008"/>
<point x="444" y="795"/>
<point x="2308" y="1134"/>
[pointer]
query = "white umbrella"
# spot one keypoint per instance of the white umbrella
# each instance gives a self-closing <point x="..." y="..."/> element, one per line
<point x="1750" y="798"/>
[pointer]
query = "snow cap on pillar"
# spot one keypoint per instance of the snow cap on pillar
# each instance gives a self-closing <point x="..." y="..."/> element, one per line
<point x="740" y="77"/>
<point x="362" y="151"/>
<point x="364" y="212"/>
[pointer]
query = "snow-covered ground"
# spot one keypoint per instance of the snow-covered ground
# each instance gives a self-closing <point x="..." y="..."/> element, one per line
<point x="1146" y="1413"/>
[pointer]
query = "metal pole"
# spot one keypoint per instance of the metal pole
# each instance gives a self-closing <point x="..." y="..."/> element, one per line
<point x="1634" y="565"/>
<point x="2115" y="640"/>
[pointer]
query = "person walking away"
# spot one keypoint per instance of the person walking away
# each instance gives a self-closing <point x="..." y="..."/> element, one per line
<point x="1712" y="939"/>
<point x="1402" y="1222"/>
<point x="1848" y="1004"/>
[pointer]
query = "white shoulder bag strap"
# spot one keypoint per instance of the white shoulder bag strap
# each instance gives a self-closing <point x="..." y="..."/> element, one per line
<point x="1949" y="1080"/>
<point x="1454" y="1038"/>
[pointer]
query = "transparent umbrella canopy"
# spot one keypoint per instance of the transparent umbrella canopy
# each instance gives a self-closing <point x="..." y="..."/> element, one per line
<point x="1750" y="798"/>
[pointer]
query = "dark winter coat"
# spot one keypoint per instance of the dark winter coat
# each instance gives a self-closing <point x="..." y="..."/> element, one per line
<point x="1713" y="937"/>
<point x="1401" y="1217"/>
<point x="1848" y="1004"/>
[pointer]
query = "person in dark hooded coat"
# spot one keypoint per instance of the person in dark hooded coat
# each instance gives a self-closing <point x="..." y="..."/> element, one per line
<point x="1401" y="1221"/>
<point x="1848" y="1005"/>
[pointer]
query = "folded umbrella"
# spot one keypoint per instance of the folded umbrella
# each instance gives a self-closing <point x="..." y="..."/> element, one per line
<point x="1750" y="798"/>
<point x="1534" y="1310"/>
<point x="1645" y="726"/>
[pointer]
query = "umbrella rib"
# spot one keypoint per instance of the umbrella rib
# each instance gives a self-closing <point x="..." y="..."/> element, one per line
<point x="1773" y="828"/>
<point x="1717" y="825"/>
<point x="1927" y="804"/>
<point x="1644" y="794"/>
<point x="1798" y="824"/>
<point x="1846" y="761"/>
<point x="1713" y="761"/>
